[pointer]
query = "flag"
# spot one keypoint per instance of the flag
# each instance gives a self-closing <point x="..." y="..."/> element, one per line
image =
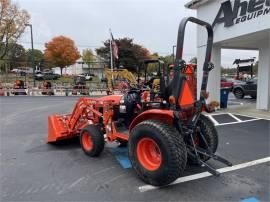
<point x="115" y="49"/>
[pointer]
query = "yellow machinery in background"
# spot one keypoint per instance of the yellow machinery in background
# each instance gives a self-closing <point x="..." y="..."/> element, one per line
<point x="119" y="79"/>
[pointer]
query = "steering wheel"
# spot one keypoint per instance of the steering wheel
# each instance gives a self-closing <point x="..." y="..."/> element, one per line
<point x="150" y="82"/>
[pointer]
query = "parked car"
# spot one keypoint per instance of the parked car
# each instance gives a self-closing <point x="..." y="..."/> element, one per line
<point x="249" y="87"/>
<point x="39" y="75"/>
<point x="47" y="76"/>
<point x="46" y="71"/>
<point x="235" y="81"/>
<point x="87" y="76"/>
<point x="15" y="71"/>
<point x="22" y="71"/>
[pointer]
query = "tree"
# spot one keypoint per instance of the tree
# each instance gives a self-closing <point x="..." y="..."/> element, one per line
<point x="12" y="25"/>
<point x="14" y="58"/>
<point x="129" y="53"/>
<point x="61" y="51"/>
<point x="88" y="56"/>
<point x="38" y="57"/>
<point x="168" y="59"/>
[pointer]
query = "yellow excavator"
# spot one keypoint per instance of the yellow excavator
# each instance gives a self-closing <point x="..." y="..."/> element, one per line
<point x="119" y="79"/>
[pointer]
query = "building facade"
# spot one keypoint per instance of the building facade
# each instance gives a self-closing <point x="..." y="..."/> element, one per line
<point x="96" y="68"/>
<point x="237" y="24"/>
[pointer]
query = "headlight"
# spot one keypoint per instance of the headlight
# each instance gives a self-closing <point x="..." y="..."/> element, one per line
<point x="122" y="109"/>
<point x="122" y="100"/>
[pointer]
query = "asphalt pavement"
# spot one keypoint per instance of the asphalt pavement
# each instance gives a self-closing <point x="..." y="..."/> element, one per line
<point x="31" y="170"/>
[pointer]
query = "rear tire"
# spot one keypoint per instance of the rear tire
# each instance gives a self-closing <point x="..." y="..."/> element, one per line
<point x="238" y="93"/>
<point x="92" y="140"/>
<point x="210" y="134"/>
<point x="163" y="146"/>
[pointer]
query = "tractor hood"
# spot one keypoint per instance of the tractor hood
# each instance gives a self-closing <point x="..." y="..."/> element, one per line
<point x="115" y="98"/>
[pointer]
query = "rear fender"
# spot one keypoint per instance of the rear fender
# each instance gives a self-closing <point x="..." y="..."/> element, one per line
<point x="165" y="116"/>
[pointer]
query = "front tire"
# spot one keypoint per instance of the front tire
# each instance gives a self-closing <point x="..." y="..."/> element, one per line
<point x="92" y="140"/>
<point x="157" y="152"/>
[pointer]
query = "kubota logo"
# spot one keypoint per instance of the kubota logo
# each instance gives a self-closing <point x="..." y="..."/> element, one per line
<point x="241" y="11"/>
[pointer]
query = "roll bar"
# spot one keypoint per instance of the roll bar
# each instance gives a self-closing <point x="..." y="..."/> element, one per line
<point x="179" y="63"/>
<point x="181" y="36"/>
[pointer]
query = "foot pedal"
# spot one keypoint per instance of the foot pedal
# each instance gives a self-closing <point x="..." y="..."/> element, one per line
<point x="120" y="127"/>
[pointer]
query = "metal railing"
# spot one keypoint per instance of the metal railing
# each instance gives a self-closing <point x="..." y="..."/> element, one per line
<point x="7" y="89"/>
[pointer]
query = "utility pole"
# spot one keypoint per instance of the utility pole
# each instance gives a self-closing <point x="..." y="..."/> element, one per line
<point x="32" y="55"/>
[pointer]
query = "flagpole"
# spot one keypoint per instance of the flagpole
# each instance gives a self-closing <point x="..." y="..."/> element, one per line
<point x="111" y="51"/>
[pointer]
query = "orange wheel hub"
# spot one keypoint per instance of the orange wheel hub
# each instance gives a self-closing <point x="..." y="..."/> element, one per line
<point x="149" y="154"/>
<point x="87" y="141"/>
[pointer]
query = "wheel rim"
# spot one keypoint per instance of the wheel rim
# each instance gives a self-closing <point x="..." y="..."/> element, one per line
<point x="148" y="153"/>
<point x="87" y="141"/>
<point x="238" y="93"/>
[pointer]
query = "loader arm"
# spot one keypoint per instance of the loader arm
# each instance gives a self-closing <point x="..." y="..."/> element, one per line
<point x="85" y="112"/>
<point x="82" y="108"/>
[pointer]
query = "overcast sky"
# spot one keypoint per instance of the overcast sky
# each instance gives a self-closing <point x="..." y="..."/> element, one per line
<point x="152" y="23"/>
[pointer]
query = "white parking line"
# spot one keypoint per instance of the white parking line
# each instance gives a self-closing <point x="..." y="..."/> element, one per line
<point x="252" y="116"/>
<point x="216" y="123"/>
<point x="230" y="123"/>
<point x="213" y="120"/>
<point x="237" y="119"/>
<point x="216" y="113"/>
<point x="207" y="174"/>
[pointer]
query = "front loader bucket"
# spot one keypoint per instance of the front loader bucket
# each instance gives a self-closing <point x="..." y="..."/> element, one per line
<point x="57" y="128"/>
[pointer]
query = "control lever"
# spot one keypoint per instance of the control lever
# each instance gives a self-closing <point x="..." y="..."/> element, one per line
<point x="181" y="64"/>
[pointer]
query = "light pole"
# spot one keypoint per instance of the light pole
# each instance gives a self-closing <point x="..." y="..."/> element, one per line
<point x="174" y="46"/>
<point x="32" y="55"/>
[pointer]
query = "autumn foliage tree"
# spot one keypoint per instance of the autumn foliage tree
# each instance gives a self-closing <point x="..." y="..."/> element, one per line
<point x="12" y="25"/>
<point x="61" y="52"/>
<point x="130" y="53"/>
<point x="88" y="56"/>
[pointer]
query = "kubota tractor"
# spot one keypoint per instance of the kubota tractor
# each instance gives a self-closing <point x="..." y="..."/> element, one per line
<point x="162" y="135"/>
<point x="2" y="92"/>
<point x="19" y="88"/>
<point x="80" y="86"/>
<point x="47" y="88"/>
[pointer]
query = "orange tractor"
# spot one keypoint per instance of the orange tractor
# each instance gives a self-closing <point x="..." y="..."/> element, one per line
<point x="19" y="88"/>
<point x="47" y="88"/>
<point x="163" y="134"/>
